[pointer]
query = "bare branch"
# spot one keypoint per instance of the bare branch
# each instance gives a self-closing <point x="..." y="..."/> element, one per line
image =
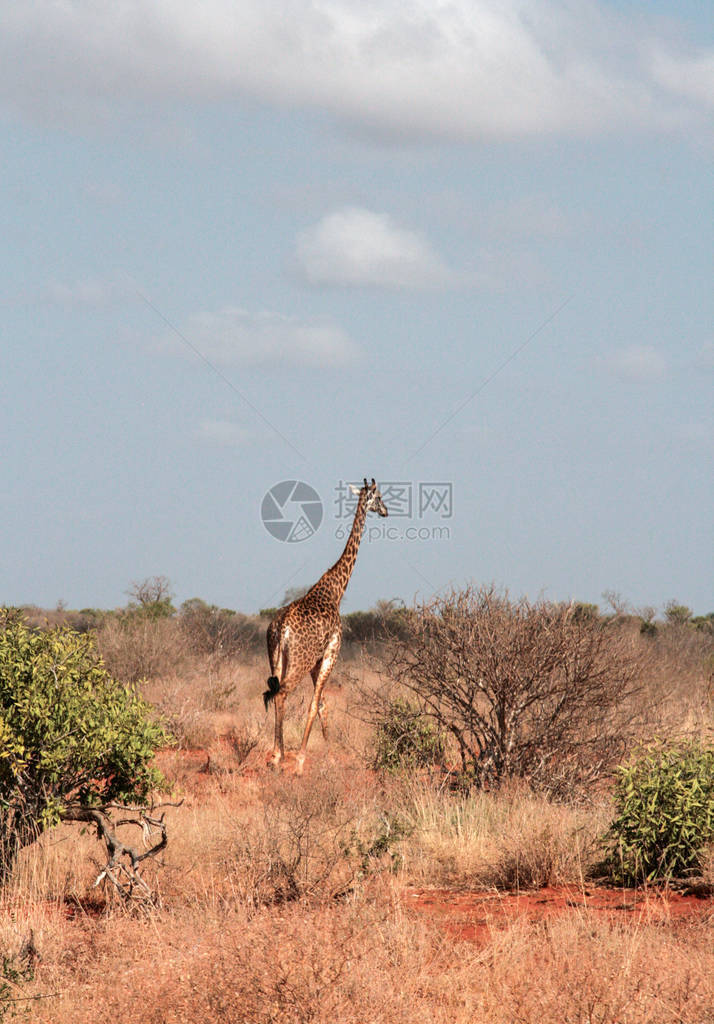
<point x="122" y="867"/>
<point x="535" y="690"/>
<point x="152" y="590"/>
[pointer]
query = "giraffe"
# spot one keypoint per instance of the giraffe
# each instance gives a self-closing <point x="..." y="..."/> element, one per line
<point x="306" y="635"/>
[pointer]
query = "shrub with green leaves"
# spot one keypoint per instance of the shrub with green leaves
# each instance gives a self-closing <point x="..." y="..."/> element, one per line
<point x="406" y="740"/>
<point x="72" y="739"/>
<point x="15" y="972"/>
<point x="664" y="799"/>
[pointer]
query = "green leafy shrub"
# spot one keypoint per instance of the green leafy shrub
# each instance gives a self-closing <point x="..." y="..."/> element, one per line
<point x="387" y="619"/>
<point x="406" y="740"/>
<point x="384" y="842"/>
<point x="15" y="973"/>
<point x="705" y="623"/>
<point x="677" y="614"/>
<point x="665" y="813"/>
<point x="72" y="739"/>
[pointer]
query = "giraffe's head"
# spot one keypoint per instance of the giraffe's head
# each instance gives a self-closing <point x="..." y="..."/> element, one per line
<point x="374" y="501"/>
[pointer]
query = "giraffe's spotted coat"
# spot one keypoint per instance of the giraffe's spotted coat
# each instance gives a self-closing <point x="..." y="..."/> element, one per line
<point x="306" y="635"/>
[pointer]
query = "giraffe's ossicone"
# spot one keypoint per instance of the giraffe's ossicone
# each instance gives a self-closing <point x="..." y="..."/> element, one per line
<point x="306" y="635"/>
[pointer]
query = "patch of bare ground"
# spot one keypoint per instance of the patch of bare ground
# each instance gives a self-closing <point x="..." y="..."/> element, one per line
<point x="477" y="915"/>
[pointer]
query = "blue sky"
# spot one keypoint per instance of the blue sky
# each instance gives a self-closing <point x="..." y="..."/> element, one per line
<point x="464" y="244"/>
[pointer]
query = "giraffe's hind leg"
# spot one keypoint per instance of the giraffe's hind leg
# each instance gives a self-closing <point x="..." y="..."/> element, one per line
<point x="276" y="693"/>
<point x="321" y="706"/>
<point x="321" y="675"/>
<point x="278" y="746"/>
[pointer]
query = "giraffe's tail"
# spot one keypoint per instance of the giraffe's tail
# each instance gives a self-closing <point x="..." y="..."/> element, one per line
<point x="272" y="691"/>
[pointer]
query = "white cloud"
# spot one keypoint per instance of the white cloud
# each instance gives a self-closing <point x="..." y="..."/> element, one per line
<point x="691" y="77"/>
<point x="415" y="68"/>
<point x="236" y="337"/>
<point x="226" y="433"/>
<point x="638" y="362"/>
<point x="353" y="246"/>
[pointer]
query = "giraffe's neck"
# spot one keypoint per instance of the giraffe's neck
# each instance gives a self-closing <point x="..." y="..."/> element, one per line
<point x="339" y="575"/>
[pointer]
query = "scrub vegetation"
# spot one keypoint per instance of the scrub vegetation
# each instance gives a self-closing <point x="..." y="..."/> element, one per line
<point x="496" y="767"/>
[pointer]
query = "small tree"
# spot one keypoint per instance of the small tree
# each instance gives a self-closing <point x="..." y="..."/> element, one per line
<point x="152" y="597"/>
<point x="293" y="594"/>
<point x="677" y="614"/>
<point x="533" y="690"/>
<point x="142" y="641"/>
<point x="74" y="746"/>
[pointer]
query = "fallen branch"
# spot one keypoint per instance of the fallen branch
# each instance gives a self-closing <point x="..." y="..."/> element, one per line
<point x="122" y="867"/>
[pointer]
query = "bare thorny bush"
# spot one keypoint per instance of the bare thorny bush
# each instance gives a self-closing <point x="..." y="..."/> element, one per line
<point x="313" y="843"/>
<point x="138" y="647"/>
<point x="530" y="690"/>
<point x="143" y="643"/>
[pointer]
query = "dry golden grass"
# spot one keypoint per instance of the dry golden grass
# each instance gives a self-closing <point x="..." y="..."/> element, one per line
<point x="230" y="942"/>
<point x="678" y="670"/>
<point x="367" y="961"/>
<point x="511" y="838"/>
<point x="279" y="899"/>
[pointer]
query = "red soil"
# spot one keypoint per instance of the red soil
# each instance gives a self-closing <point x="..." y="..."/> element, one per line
<point x="473" y="916"/>
<point x="476" y="915"/>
